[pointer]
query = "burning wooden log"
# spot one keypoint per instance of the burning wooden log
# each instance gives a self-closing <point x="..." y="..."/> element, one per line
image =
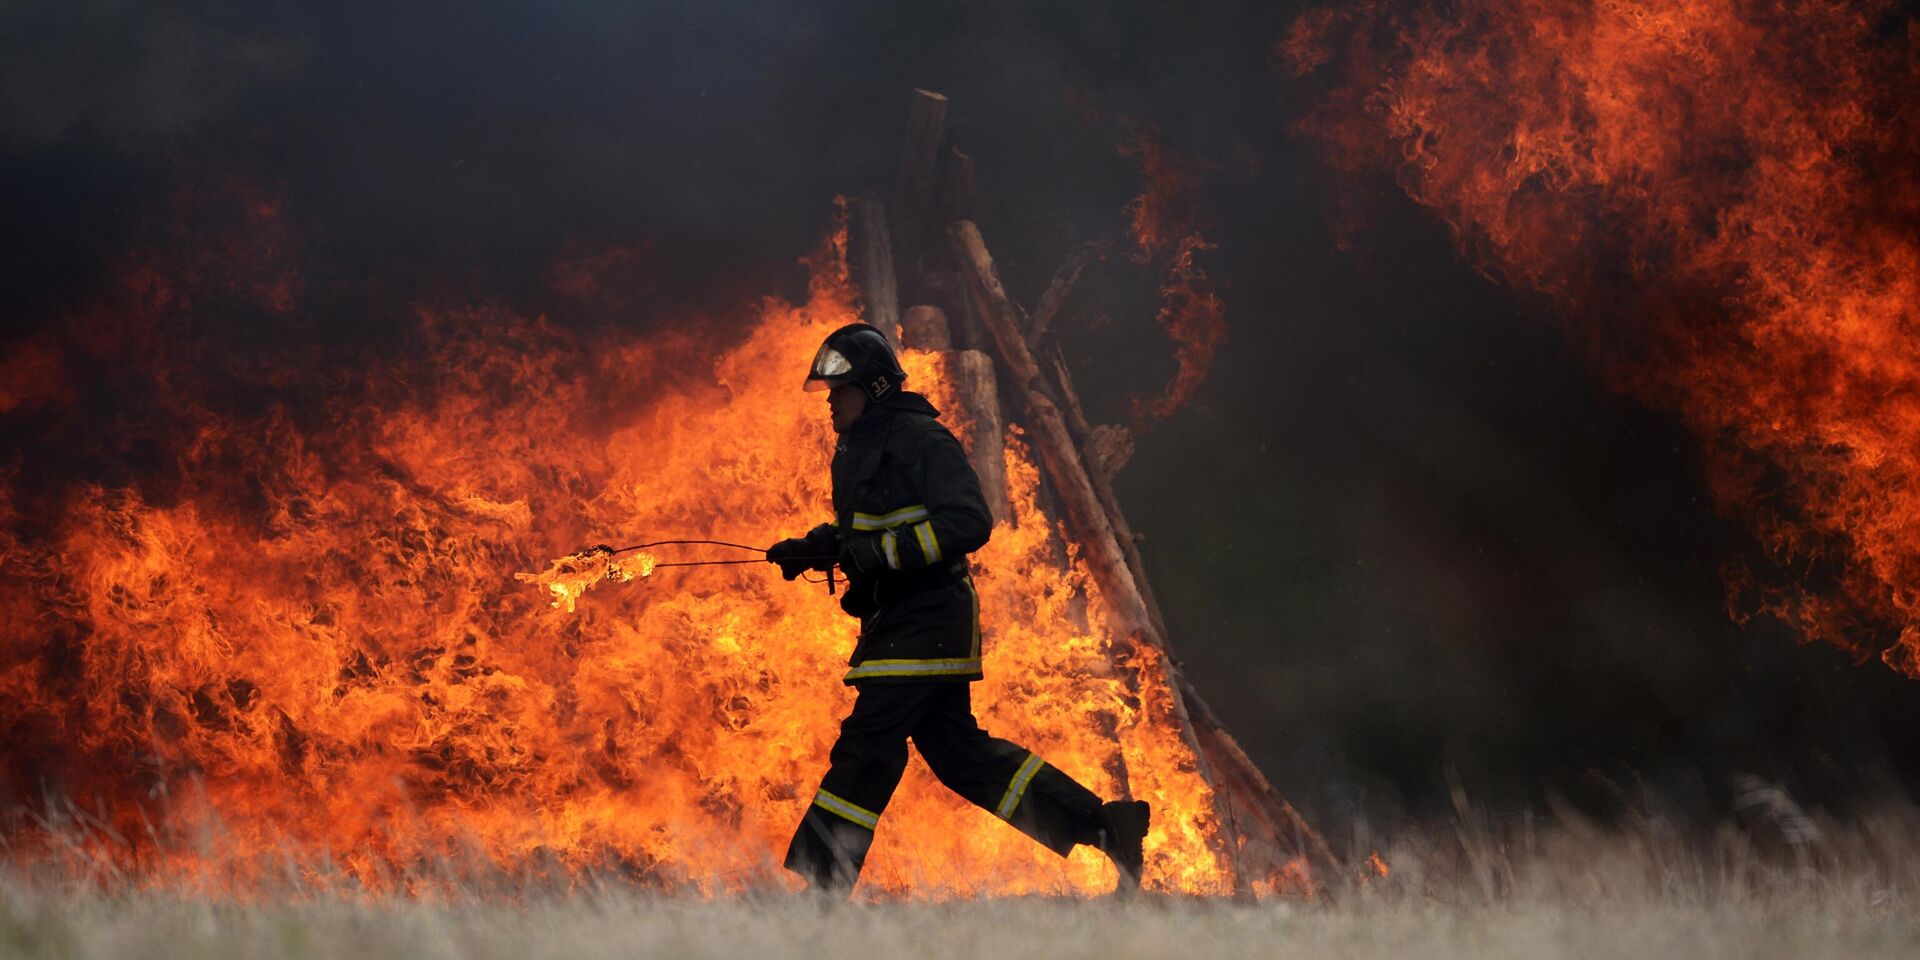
<point x="1103" y="449"/>
<point x="925" y="328"/>
<point x="1266" y="833"/>
<point x="977" y="391"/>
<point x="974" y="379"/>
<point x="1086" y="518"/>
<point x="995" y="351"/>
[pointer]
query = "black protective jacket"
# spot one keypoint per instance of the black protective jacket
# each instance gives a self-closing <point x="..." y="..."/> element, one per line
<point x="902" y="478"/>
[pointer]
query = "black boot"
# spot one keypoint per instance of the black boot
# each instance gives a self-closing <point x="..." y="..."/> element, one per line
<point x="1123" y="831"/>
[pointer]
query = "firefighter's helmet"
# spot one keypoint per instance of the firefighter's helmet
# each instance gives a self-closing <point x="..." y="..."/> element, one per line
<point x="857" y="353"/>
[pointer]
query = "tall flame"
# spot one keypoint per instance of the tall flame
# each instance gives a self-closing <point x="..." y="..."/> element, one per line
<point x="1165" y="227"/>
<point x="306" y="648"/>
<point x="1723" y="195"/>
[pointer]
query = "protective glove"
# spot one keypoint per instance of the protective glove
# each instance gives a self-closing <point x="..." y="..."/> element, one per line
<point x="815" y="551"/>
<point x="862" y="554"/>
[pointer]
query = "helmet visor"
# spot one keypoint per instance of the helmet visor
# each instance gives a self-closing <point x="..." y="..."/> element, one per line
<point x="830" y="368"/>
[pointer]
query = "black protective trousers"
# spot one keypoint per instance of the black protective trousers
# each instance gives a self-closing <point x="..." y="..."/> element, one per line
<point x="1014" y="784"/>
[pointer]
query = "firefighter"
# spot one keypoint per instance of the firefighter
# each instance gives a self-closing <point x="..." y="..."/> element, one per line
<point x="907" y="511"/>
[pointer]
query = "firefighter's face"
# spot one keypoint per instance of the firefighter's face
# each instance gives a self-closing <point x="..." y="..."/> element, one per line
<point x="847" y="402"/>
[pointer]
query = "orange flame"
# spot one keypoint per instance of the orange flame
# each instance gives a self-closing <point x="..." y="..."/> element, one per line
<point x="305" y="651"/>
<point x="1724" y="194"/>
<point x="1164" y="226"/>
<point x="1293" y="878"/>
<point x="572" y="575"/>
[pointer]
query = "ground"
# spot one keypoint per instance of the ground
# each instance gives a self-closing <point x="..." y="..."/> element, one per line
<point x="1818" y="890"/>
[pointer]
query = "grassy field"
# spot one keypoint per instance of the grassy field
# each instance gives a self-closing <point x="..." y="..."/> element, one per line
<point x="1805" y="890"/>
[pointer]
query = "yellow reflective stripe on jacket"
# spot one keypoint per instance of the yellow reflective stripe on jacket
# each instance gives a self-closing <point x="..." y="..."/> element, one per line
<point x="914" y="668"/>
<point x="929" y="544"/>
<point x="890" y="545"/>
<point x="851" y="811"/>
<point x="1017" y="787"/>
<point x="868" y="522"/>
<point x="974" y="595"/>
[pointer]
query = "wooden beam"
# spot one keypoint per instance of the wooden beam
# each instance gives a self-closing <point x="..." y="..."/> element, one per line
<point x="982" y="429"/>
<point x="1095" y="451"/>
<point x="1053" y="365"/>
<point x="1086" y="518"/>
<point x="1057" y="291"/>
<point x="1112" y="446"/>
<point x="871" y="259"/>
<point x="925" y="328"/>
<point x="1264" y="831"/>
<point x="916" y="189"/>
<point x="1263" y="818"/>
<point x="957" y="191"/>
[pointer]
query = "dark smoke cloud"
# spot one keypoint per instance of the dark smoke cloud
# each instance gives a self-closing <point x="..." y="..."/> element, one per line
<point x="1401" y="530"/>
<point x="134" y="76"/>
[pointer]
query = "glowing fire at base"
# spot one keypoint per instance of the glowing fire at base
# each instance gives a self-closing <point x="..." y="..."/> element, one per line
<point x="307" y="656"/>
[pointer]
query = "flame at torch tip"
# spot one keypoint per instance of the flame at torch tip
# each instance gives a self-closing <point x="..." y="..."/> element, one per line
<point x="571" y="576"/>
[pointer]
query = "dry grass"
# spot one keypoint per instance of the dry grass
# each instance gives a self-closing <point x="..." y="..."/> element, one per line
<point x="1804" y="889"/>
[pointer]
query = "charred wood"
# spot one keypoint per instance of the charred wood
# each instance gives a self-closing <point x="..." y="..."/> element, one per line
<point x="1265" y="832"/>
<point x="978" y="388"/>
<point x="1271" y="830"/>
<point x="872" y="265"/>
<point x="1057" y="292"/>
<point x="1111" y="446"/>
<point x="1054" y="366"/>
<point x="1086" y="518"/>
<point x="946" y="289"/>
<point x="1103" y="457"/>
<point x="925" y="328"/>
<point x="956" y="194"/>
<point x="917" y="189"/>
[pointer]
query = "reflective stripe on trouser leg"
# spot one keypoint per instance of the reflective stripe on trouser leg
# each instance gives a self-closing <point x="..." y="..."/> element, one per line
<point x="831" y="842"/>
<point x="1017" y="787"/>
<point x="1056" y="810"/>
<point x="848" y="809"/>
<point x="828" y="850"/>
<point x="993" y="774"/>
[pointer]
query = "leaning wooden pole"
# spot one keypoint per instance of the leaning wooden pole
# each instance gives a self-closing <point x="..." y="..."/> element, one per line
<point x="871" y="257"/>
<point x="1265" y="834"/>
<point x="921" y="259"/>
<point x="1047" y="425"/>
<point x="1086" y="520"/>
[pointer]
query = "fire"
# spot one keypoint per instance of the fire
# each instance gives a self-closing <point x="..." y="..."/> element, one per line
<point x="1293" y="876"/>
<point x="1721" y="196"/>
<point x="1164" y="226"/>
<point x="572" y="575"/>
<point x="305" y="643"/>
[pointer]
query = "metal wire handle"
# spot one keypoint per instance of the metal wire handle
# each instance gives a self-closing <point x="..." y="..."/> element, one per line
<point x="612" y="552"/>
